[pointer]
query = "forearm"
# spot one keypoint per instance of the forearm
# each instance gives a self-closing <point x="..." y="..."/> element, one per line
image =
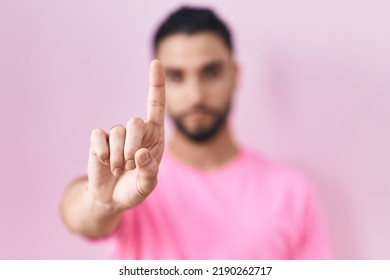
<point x="84" y="216"/>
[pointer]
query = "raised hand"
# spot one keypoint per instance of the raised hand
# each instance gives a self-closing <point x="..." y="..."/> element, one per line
<point x="123" y="163"/>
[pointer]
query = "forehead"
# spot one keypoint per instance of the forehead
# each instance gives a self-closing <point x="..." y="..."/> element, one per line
<point x="192" y="50"/>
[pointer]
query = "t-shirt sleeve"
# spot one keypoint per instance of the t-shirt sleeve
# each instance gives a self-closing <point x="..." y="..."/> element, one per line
<point x="312" y="241"/>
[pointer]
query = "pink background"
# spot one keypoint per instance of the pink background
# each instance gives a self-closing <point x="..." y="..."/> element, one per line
<point x="314" y="93"/>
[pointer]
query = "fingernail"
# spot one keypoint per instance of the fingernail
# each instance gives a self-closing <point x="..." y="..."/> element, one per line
<point x="118" y="171"/>
<point x="144" y="158"/>
<point x="130" y="164"/>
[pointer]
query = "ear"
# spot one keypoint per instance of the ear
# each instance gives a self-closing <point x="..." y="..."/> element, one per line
<point x="236" y="74"/>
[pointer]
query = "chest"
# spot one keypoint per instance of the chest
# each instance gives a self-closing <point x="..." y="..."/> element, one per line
<point x="210" y="219"/>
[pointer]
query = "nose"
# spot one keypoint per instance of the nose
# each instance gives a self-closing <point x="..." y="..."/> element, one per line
<point x="194" y="91"/>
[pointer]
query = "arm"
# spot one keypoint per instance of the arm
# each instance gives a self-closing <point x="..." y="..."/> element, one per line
<point x="122" y="168"/>
<point x="84" y="216"/>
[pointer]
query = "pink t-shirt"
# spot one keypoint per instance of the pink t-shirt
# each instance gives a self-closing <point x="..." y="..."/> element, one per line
<point x="251" y="208"/>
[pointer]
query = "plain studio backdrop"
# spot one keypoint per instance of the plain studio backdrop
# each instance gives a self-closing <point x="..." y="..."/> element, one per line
<point x="314" y="93"/>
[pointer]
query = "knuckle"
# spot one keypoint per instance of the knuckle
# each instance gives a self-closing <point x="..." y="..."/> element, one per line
<point x="96" y="133"/>
<point x="117" y="130"/>
<point x="135" y="122"/>
<point x="103" y="155"/>
<point x="157" y="103"/>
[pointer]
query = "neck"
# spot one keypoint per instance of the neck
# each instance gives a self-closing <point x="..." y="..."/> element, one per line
<point x="207" y="155"/>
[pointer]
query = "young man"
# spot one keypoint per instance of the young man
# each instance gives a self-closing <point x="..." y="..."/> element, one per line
<point x="201" y="196"/>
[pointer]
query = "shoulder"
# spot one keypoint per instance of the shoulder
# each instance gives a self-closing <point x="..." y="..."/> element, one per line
<point x="276" y="173"/>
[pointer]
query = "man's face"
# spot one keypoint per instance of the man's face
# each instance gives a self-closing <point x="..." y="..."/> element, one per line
<point x="200" y="80"/>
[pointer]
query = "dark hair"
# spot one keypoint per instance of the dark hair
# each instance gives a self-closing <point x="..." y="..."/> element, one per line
<point x="192" y="20"/>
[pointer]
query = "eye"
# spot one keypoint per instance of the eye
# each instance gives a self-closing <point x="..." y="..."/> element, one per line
<point x="174" y="76"/>
<point x="211" y="72"/>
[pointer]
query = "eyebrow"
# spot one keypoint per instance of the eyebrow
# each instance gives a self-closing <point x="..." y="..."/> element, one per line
<point x="173" y="70"/>
<point x="217" y="64"/>
<point x="213" y="64"/>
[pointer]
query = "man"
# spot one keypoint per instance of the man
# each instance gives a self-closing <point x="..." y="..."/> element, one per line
<point x="202" y="196"/>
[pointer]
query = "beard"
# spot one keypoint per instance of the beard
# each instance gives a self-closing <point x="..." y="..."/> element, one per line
<point x="202" y="133"/>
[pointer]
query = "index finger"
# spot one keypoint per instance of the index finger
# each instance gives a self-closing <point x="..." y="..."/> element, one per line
<point x="156" y="96"/>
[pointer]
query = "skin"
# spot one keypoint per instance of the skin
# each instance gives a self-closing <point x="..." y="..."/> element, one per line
<point x="199" y="77"/>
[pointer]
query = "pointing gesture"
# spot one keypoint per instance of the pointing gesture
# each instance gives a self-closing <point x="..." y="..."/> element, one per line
<point x="156" y="97"/>
<point x="123" y="163"/>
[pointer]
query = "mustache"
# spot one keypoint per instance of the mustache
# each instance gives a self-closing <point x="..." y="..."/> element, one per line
<point x="200" y="109"/>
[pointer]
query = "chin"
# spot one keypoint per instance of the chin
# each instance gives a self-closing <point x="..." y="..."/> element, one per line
<point x="195" y="129"/>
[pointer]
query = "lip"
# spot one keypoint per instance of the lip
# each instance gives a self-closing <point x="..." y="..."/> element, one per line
<point x="197" y="116"/>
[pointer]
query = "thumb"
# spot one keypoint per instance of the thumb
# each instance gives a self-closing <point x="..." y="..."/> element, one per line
<point x="147" y="168"/>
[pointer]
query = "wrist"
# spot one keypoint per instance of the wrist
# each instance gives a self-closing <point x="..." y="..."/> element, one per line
<point x="98" y="206"/>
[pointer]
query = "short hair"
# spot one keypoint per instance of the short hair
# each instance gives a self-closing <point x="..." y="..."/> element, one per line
<point x="190" y="20"/>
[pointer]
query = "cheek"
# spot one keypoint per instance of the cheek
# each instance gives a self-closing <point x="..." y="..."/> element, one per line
<point x="220" y="92"/>
<point x="173" y="101"/>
